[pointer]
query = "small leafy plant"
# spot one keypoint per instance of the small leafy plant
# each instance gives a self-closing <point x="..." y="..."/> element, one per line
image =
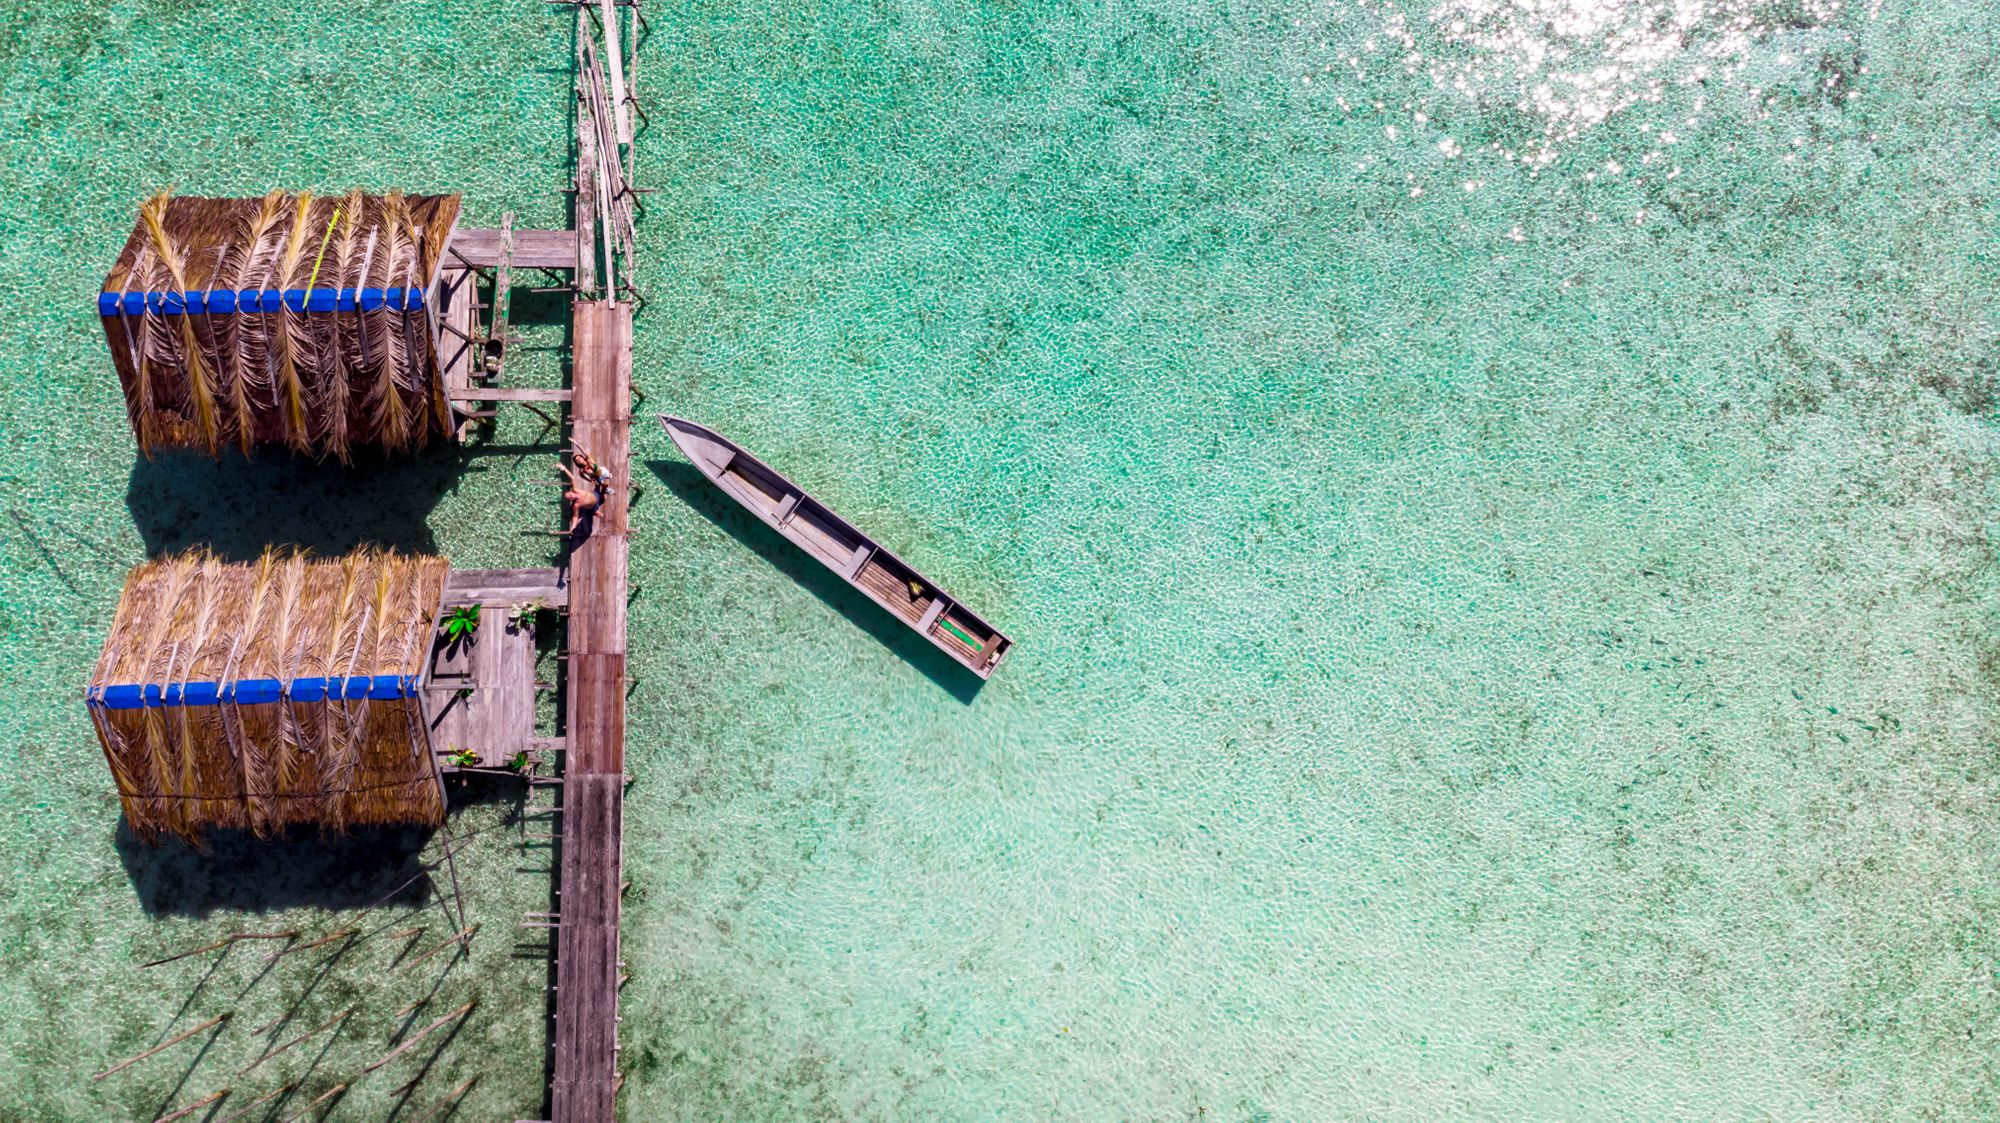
<point x="461" y="623"/>
<point x="463" y="758"/>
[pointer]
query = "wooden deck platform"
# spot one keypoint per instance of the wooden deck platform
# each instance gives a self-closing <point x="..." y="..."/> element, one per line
<point x="496" y="719"/>
<point x="592" y="868"/>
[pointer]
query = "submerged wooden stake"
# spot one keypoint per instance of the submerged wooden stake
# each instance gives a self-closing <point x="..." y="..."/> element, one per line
<point x="336" y="1090"/>
<point x="319" y="943"/>
<point x="165" y="1045"/>
<point x="451" y="863"/>
<point x="464" y="934"/>
<point x="335" y="1020"/>
<point x="258" y="1102"/>
<point x="450" y="1098"/>
<point x="193" y="1107"/>
<point x="225" y="942"/>
<point x="421" y="1034"/>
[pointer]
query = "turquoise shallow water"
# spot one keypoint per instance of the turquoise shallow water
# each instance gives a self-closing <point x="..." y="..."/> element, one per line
<point x="1494" y="502"/>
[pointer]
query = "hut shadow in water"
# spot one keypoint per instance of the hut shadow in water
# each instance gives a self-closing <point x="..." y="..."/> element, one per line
<point x="686" y="481"/>
<point x="240" y="873"/>
<point x="237" y="506"/>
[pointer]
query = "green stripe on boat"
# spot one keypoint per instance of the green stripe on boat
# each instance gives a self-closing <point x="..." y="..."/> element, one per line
<point x="961" y="633"/>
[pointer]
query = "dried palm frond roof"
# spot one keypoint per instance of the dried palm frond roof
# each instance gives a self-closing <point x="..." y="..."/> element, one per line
<point x="259" y="696"/>
<point x="295" y="319"/>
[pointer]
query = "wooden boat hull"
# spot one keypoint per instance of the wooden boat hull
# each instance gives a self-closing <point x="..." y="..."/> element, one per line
<point x="859" y="560"/>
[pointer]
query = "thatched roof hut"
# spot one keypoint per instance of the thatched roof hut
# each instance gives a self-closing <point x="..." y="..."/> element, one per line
<point x="261" y="696"/>
<point x="302" y="320"/>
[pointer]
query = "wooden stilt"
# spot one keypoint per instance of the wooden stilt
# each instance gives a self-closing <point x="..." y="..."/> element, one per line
<point x="451" y="863"/>
<point x="257" y="1103"/>
<point x="192" y="1108"/>
<point x="225" y="942"/>
<point x="421" y="1034"/>
<point x="463" y="935"/>
<point x="165" y="1045"/>
<point x="313" y="1032"/>
<point x="450" y="1098"/>
<point x="330" y="1093"/>
<point x="344" y="933"/>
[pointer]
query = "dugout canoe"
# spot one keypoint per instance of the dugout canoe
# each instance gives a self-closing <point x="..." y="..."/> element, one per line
<point x="860" y="560"/>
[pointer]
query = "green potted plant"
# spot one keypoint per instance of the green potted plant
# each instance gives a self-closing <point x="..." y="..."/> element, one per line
<point x="461" y="623"/>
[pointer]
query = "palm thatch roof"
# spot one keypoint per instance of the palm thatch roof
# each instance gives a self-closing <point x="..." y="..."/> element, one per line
<point x="261" y="696"/>
<point x="294" y="319"/>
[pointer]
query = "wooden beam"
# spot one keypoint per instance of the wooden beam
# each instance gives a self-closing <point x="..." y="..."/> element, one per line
<point x="192" y="1108"/>
<point x="509" y="394"/>
<point x="463" y="935"/>
<point x="585" y="201"/>
<point x="421" y="1034"/>
<point x="479" y="247"/>
<point x="225" y="942"/>
<point x="165" y="1045"/>
<point x="617" y="57"/>
<point x="257" y="1103"/>
<point x="494" y="356"/>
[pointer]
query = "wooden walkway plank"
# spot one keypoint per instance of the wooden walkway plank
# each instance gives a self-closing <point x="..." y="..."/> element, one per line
<point x="586" y="1061"/>
<point x="495" y="355"/>
<point x="508" y="394"/>
<point x="533" y="249"/>
<point x="506" y="586"/>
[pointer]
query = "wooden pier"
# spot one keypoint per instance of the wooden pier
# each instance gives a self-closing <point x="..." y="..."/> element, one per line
<point x="591" y="870"/>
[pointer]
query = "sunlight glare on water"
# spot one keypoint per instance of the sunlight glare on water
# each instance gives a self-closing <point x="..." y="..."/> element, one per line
<point x="1548" y="70"/>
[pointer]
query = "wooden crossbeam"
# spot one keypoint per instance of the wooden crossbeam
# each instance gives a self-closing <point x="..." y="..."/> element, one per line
<point x="508" y="394"/>
<point x="494" y="354"/>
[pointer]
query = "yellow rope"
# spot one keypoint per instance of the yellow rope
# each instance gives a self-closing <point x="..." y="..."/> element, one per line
<point x="322" y="248"/>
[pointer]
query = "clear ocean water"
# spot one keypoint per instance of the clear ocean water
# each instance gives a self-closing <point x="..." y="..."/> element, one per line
<point x="1495" y="500"/>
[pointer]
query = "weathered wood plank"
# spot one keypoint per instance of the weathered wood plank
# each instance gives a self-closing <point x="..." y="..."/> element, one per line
<point x="455" y="351"/>
<point x="509" y="394"/>
<point x="587" y="951"/>
<point x="533" y="249"/>
<point x="506" y="587"/>
<point x="586" y="1069"/>
<point x="494" y="354"/>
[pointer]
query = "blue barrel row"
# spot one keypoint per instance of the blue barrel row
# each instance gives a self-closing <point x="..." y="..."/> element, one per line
<point x="251" y="691"/>
<point x="224" y="302"/>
